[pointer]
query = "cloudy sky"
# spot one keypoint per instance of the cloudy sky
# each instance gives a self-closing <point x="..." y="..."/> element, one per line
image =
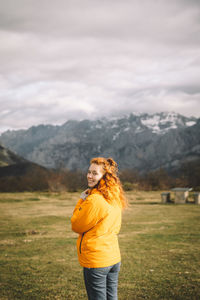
<point x="76" y="59"/>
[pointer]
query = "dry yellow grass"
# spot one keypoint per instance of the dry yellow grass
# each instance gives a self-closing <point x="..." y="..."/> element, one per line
<point x="159" y="245"/>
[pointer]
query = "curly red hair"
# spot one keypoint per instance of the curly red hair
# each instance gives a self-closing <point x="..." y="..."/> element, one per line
<point x="110" y="186"/>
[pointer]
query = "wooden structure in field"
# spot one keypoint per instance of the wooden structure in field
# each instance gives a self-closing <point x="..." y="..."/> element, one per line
<point x="165" y="197"/>
<point x="197" y="198"/>
<point x="181" y="195"/>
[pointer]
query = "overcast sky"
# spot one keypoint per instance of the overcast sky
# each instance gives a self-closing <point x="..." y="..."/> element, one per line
<point x="76" y="59"/>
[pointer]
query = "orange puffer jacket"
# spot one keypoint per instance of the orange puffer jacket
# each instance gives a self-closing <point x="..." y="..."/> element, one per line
<point x="98" y="224"/>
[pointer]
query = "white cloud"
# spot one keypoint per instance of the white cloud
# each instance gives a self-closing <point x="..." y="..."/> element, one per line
<point x="84" y="59"/>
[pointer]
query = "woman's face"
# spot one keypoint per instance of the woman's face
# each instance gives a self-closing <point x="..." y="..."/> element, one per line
<point x="95" y="173"/>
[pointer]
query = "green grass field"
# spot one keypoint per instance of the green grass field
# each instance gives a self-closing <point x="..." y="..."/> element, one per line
<point x="160" y="247"/>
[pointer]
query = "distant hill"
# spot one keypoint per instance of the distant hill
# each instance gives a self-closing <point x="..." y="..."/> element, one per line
<point x="18" y="174"/>
<point x="144" y="142"/>
<point x="8" y="158"/>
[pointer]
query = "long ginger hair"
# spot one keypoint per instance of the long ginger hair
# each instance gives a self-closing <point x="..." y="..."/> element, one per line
<point x="109" y="185"/>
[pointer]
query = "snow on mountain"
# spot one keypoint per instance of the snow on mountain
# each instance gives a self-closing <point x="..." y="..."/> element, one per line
<point x="160" y="123"/>
<point x="190" y="123"/>
<point x="140" y="141"/>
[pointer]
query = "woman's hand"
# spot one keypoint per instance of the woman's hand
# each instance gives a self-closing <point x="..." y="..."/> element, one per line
<point x="84" y="194"/>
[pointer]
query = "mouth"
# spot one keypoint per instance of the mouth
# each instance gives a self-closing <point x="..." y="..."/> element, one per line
<point x="90" y="182"/>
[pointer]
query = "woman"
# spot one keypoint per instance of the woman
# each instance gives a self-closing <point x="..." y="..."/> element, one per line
<point x="97" y="220"/>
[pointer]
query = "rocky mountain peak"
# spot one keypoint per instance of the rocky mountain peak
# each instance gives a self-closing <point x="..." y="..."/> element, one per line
<point x="141" y="141"/>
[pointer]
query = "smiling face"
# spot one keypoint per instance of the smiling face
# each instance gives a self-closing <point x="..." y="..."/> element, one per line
<point x="95" y="173"/>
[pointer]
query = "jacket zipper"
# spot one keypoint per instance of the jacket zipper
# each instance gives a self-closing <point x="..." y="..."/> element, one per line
<point x="81" y="243"/>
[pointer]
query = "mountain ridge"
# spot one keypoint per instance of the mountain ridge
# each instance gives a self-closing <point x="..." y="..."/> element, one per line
<point x="143" y="141"/>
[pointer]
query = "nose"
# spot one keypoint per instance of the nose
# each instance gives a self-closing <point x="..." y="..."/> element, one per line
<point x="89" y="175"/>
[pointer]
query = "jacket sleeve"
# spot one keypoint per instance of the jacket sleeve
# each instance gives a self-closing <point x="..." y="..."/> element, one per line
<point x="78" y="204"/>
<point x="88" y="213"/>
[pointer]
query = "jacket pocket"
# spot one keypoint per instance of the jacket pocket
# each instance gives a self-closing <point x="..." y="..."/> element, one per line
<point x="81" y="243"/>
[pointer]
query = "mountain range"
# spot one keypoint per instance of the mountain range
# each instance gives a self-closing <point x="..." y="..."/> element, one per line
<point x="144" y="142"/>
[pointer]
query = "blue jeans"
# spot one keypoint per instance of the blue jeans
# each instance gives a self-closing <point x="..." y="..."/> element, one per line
<point x="101" y="283"/>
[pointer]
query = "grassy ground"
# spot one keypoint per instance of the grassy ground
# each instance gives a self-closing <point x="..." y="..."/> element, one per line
<point x="159" y="246"/>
